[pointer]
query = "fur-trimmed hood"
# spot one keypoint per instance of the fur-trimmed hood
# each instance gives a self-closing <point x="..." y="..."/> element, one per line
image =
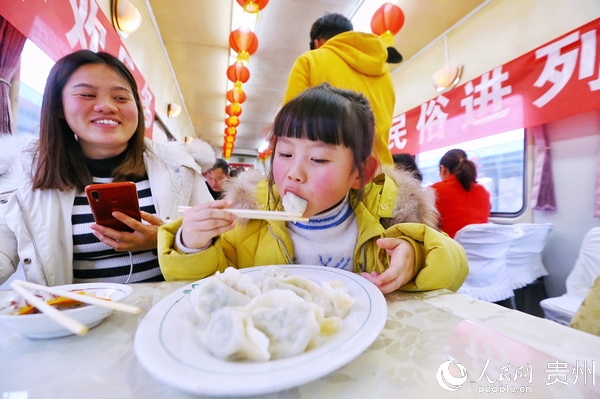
<point x="413" y="203"/>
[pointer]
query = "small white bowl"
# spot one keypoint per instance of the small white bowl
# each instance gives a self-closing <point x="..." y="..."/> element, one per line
<point x="39" y="325"/>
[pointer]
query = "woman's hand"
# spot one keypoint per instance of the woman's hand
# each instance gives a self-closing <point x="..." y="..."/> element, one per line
<point x="203" y="222"/>
<point x="143" y="238"/>
<point x="401" y="268"/>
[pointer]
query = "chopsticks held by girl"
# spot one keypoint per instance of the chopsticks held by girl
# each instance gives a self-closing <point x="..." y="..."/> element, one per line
<point x="381" y="225"/>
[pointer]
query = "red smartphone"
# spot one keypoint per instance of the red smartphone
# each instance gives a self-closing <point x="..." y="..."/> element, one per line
<point x="106" y="198"/>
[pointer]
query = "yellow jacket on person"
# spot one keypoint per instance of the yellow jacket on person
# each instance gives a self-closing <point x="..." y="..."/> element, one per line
<point x="440" y="261"/>
<point x="355" y="61"/>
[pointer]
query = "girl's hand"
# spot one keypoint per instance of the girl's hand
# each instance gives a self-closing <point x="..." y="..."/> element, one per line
<point x="143" y="238"/>
<point x="401" y="268"/>
<point x="201" y="223"/>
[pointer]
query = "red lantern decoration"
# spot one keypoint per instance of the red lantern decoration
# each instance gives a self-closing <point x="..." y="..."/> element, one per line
<point x="227" y="146"/>
<point x="230" y="131"/>
<point x="244" y="42"/>
<point x="236" y="95"/>
<point x="238" y="72"/>
<point x="233" y="109"/>
<point x="232" y="121"/>
<point x="387" y="21"/>
<point x="253" y="6"/>
<point x="229" y="139"/>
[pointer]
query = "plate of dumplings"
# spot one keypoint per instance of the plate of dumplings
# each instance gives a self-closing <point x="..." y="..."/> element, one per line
<point x="259" y="330"/>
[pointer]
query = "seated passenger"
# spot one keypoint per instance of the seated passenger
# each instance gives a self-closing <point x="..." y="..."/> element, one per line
<point x="322" y="141"/>
<point x="407" y="162"/>
<point x="92" y="131"/>
<point x="459" y="198"/>
<point x="216" y="177"/>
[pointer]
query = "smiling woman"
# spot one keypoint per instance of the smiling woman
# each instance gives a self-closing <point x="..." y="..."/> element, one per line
<point x="100" y="108"/>
<point x="92" y="132"/>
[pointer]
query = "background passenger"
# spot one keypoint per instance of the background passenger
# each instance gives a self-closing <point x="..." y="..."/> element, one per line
<point x="92" y="131"/>
<point x="459" y="198"/>
<point x="348" y="60"/>
<point x="407" y="162"/>
<point x="216" y="177"/>
<point x="322" y="153"/>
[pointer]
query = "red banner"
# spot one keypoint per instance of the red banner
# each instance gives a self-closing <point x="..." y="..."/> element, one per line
<point x="556" y="80"/>
<point x="60" y="27"/>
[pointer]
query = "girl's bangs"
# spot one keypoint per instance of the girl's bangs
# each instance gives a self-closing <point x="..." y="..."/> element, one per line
<point x="314" y="124"/>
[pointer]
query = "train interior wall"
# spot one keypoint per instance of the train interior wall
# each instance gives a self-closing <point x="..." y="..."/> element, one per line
<point x="574" y="144"/>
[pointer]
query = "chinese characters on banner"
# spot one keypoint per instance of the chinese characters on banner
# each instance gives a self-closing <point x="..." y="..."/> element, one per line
<point x="558" y="79"/>
<point x="60" y="27"/>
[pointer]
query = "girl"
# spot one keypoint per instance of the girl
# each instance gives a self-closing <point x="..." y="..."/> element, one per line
<point x="91" y="131"/>
<point x="322" y="144"/>
<point x="459" y="198"/>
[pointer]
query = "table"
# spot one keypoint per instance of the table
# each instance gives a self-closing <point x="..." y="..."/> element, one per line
<point x="425" y="334"/>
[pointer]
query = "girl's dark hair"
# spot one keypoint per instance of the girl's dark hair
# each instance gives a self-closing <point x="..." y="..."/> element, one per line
<point x="330" y="115"/>
<point x="60" y="161"/>
<point x="457" y="163"/>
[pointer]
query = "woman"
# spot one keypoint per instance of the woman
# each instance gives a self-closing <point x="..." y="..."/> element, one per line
<point x="92" y="131"/>
<point x="459" y="198"/>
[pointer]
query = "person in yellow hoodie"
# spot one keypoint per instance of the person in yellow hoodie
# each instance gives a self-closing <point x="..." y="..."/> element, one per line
<point x="383" y="228"/>
<point x="348" y="60"/>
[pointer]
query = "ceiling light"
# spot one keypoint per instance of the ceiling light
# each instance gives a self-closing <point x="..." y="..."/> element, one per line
<point x="447" y="77"/>
<point x="173" y="110"/>
<point x="126" y="18"/>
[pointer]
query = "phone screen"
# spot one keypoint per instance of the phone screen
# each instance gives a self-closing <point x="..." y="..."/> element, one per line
<point x="104" y="199"/>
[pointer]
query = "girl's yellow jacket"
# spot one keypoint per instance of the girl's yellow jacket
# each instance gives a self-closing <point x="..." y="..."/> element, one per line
<point x="440" y="261"/>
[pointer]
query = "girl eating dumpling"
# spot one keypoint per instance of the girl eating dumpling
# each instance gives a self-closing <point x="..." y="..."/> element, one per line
<point x="379" y="224"/>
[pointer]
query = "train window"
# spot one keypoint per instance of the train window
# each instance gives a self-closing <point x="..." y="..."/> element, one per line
<point x="500" y="161"/>
<point x="35" y="67"/>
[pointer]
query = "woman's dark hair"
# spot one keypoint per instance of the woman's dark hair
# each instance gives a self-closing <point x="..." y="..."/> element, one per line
<point x="60" y="161"/>
<point x="457" y="163"/>
<point x="407" y="162"/>
<point x="330" y="115"/>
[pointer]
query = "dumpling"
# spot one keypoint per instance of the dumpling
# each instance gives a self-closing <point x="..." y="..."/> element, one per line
<point x="293" y="203"/>
<point x="303" y="287"/>
<point x="290" y="326"/>
<point x="335" y="299"/>
<point x="274" y="271"/>
<point x="214" y="295"/>
<point x="273" y="298"/>
<point x="231" y="335"/>
<point x="238" y="281"/>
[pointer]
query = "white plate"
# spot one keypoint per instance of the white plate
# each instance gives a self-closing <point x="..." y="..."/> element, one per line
<point x="39" y="325"/>
<point x="167" y="344"/>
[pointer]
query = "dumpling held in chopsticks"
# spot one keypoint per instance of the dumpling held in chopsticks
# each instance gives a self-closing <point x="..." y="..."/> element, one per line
<point x="293" y="203"/>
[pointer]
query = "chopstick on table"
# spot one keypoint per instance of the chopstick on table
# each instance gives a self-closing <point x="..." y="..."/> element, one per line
<point x="55" y="314"/>
<point x="90" y="300"/>
<point x="254" y="214"/>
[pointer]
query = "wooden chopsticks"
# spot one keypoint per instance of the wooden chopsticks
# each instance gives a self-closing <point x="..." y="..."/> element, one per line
<point x="254" y="214"/>
<point x="55" y="314"/>
<point x="67" y="322"/>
